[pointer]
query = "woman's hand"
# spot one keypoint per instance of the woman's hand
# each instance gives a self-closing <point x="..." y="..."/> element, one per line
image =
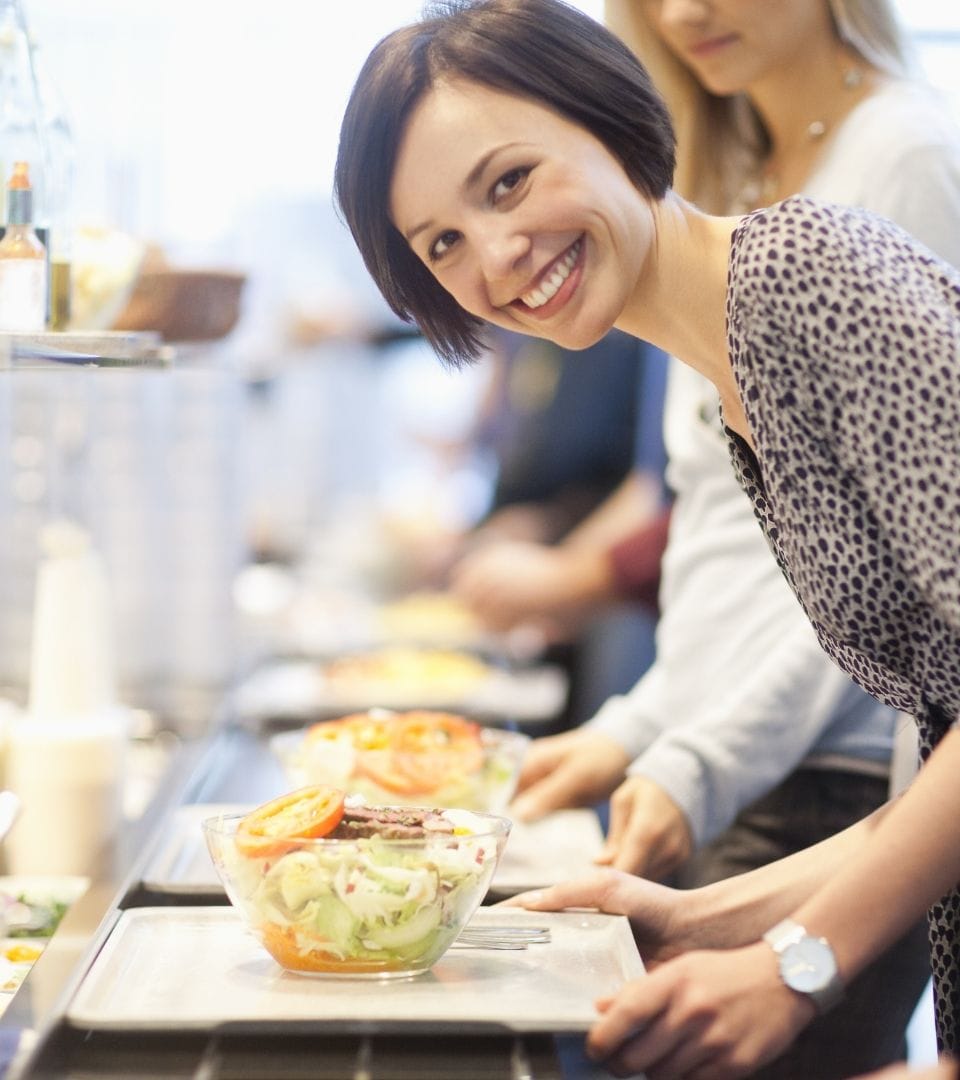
<point x="697" y="1013"/>
<point x="575" y="768"/>
<point x="655" y="911"/>
<point x="508" y="583"/>
<point x="713" y="1015"/>
<point x="648" y="834"/>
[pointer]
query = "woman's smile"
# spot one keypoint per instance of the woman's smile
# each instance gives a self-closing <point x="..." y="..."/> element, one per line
<point x="555" y="285"/>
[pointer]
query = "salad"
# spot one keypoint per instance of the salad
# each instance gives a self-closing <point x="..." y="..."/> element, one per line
<point x="332" y="886"/>
<point x="416" y="757"/>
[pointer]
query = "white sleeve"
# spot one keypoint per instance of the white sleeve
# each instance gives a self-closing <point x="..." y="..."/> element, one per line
<point x="922" y="195"/>
<point x="630" y="719"/>
<point x="715" y="763"/>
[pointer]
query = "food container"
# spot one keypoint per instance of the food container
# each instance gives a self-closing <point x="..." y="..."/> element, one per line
<point x="105" y="267"/>
<point x="184" y="305"/>
<point x="413" y="758"/>
<point x="381" y="897"/>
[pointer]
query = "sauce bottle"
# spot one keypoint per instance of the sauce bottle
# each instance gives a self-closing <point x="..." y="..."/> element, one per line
<point x="23" y="261"/>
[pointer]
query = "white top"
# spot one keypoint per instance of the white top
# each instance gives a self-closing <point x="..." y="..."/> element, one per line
<point x="741" y="692"/>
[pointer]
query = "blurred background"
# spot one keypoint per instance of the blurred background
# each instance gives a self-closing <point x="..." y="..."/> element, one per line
<point x="301" y="435"/>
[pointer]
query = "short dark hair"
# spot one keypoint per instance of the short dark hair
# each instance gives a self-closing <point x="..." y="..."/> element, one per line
<point x="544" y="50"/>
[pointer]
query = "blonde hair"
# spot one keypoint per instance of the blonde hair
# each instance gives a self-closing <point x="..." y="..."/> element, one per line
<point x="722" y="140"/>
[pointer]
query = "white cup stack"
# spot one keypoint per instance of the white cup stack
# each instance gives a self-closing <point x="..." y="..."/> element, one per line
<point x="65" y="756"/>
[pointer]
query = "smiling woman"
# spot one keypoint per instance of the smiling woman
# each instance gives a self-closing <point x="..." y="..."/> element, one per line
<point x="507" y="161"/>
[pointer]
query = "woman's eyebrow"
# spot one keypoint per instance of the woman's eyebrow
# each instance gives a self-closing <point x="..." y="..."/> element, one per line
<point x="472" y="179"/>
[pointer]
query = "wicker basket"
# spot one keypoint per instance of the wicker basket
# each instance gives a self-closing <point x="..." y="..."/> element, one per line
<point x="184" y="305"/>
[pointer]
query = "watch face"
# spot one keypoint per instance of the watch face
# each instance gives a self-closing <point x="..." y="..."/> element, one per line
<point x="808" y="965"/>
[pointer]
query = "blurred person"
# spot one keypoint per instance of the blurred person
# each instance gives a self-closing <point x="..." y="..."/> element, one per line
<point x="560" y="437"/>
<point x="522" y="160"/>
<point x="561" y="444"/>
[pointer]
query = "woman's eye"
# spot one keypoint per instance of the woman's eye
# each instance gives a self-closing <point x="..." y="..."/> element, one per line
<point x="443" y="243"/>
<point x="508" y="182"/>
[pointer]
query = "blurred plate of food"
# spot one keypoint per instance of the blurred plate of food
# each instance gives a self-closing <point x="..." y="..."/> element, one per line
<point x="402" y="675"/>
<point x="399" y="677"/>
<point x="17" y="957"/>
<point x="325" y="621"/>
<point x="33" y="905"/>
<point x="431" y="618"/>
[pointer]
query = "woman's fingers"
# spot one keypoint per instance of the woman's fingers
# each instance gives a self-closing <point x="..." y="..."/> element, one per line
<point x="602" y="891"/>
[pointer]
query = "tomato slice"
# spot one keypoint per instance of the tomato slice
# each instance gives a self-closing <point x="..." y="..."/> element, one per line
<point x="366" y="730"/>
<point x="277" y="826"/>
<point x="433" y="748"/>
<point x="380" y="766"/>
<point x="421" y="729"/>
<point x="427" y="750"/>
<point x="411" y="754"/>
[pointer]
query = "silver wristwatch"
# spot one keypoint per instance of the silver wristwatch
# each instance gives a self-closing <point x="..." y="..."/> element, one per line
<point x="807" y="963"/>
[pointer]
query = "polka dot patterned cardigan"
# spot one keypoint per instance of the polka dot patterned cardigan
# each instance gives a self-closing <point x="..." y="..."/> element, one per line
<point x="844" y="335"/>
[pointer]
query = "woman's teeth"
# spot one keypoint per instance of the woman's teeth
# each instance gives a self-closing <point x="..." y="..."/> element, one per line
<point x="547" y="289"/>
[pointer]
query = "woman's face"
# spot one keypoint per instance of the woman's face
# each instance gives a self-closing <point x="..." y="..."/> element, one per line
<point x="524" y="217"/>
<point x="731" y="45"/>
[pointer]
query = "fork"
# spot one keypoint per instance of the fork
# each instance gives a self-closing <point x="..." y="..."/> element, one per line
<point x="502" y="937"/>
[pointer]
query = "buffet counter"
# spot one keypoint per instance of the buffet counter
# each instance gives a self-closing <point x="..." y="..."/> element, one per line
<point x="38" y="1039"/>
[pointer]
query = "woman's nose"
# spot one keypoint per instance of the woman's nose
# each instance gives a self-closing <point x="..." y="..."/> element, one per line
<point x="502" y="250"/>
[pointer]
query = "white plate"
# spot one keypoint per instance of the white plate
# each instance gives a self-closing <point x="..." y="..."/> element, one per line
<point x="558" y="847"/>
<point x="199" y="968"/>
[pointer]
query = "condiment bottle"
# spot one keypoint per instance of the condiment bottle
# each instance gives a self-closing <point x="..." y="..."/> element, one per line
<point x="23" y="135"/>
<point x="59" y="187"/>
<point x="23" y="261"/>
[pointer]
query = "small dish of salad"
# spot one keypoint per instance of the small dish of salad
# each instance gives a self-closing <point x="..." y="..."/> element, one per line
<point x="334" y="887"/>
<point x="419" y="757"/>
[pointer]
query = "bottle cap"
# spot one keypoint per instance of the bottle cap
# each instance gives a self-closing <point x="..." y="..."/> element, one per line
<point x="20" y="180"/>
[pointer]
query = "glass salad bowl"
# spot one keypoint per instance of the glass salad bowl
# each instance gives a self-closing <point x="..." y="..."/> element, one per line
<point x="333" y="887"/>
<point x="413" y="758"/>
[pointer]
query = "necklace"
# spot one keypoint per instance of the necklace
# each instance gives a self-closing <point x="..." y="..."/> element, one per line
<point x="763" y="187"/>
<point x="852" y="79"/>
